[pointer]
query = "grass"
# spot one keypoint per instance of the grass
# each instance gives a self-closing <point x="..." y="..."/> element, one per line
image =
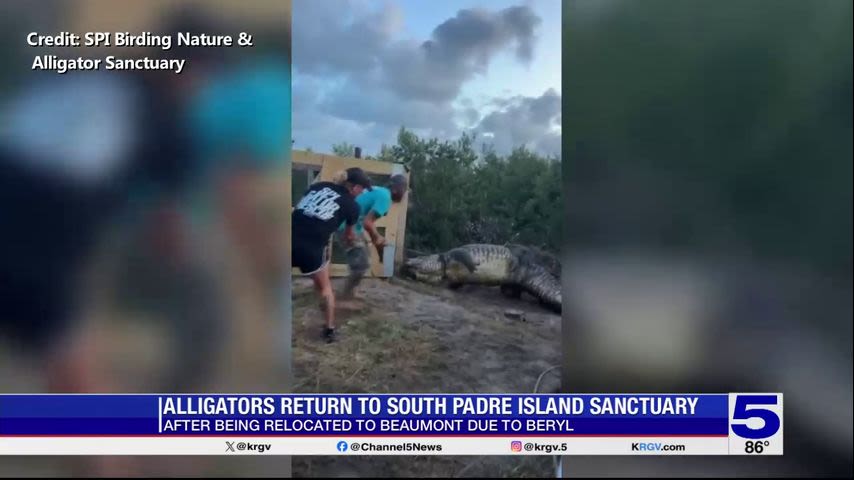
<point x="374" y="351"/>
<point x="379" y="352"/>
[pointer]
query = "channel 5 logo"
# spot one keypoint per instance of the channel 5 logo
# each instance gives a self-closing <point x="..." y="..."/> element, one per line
<point x="516" y="446"/>
<point x="756" y="423"/>
<point x="756" y="416"/>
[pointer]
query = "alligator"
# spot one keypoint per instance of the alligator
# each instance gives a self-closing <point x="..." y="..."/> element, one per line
<point x="515" y="268"/>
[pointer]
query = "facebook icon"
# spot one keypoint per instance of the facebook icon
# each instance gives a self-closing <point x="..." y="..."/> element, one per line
<point x="342" y="446"/>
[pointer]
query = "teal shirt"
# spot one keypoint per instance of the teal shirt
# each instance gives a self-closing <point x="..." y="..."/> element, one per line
<point x="378" y="200"/>
<point x="241" y="119"/>
<point x="244" y="114"/>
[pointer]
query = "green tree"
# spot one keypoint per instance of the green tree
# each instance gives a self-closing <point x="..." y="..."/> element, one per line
<point x="458" y="196"/>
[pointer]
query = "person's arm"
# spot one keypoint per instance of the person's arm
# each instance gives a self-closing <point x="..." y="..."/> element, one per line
<point x="349" y="234"/>
<point x="370" y="226"/>
<point x="351" y="218"/>
<point x="379" y="209"/>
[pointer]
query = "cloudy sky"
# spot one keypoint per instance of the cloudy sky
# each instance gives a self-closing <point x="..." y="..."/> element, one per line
<point x="364" y="68"/>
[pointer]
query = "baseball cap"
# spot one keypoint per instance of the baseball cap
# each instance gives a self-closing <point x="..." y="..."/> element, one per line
<point x="357" y="176"/>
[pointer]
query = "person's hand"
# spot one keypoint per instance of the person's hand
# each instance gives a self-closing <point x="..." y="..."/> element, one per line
<point x="379" y="241"/>
<point x="350" y="236"/>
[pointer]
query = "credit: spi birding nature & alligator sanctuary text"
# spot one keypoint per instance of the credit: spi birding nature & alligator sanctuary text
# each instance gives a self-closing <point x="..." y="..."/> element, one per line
<point x="61" y="65"/>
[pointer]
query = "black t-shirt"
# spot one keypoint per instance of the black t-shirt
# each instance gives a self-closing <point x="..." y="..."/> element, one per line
<point x="322" y="210"/>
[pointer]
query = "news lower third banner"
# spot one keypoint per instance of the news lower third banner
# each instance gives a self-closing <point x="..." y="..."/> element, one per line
<point x="404" y="424"/>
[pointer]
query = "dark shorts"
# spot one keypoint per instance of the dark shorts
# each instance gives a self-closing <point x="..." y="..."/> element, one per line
<point x="49" y="229"/>
<point x="309" y="256"/>
<point x="34" y="315"/>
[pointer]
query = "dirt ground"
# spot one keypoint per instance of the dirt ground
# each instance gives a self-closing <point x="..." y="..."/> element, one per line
<point x="407" y="337"/>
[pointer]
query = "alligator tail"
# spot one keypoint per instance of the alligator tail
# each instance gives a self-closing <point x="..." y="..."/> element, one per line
<point x="542" y="284"/>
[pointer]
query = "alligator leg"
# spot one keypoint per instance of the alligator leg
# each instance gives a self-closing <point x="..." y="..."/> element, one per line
<point x="464" y="257"/>
<point x="555" y="307"/>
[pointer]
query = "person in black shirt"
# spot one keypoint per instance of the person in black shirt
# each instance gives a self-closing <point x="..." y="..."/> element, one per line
<point x="320" y="212"/>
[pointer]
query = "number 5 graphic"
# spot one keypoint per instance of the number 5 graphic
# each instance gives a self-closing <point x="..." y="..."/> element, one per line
<point x="745" y="410"/>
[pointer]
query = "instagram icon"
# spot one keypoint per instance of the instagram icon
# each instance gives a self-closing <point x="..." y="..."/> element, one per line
<point x="516" y="446"/>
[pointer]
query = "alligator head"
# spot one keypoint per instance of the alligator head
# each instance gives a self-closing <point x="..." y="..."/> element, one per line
<point x="428" y="268"/>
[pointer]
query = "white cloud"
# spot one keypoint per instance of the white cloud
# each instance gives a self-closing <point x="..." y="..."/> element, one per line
<point x="355" y="82"/>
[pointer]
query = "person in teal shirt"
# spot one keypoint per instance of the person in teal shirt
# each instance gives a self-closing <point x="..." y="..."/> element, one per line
<point x="240" y="122"/>
<point x="374" y="203"/>
<point x="240" y="118"/>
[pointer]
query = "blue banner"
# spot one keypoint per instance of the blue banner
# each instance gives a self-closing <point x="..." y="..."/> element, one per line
<point x="364" y="415"/>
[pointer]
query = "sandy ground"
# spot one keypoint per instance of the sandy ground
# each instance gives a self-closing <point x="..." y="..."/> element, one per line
<point x="407" y="337"/>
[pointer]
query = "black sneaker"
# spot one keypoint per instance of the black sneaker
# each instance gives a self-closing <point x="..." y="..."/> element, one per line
<point x="329" y="334"/>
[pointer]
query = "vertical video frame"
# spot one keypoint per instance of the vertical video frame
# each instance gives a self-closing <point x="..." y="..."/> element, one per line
<point x="427" y="209"/>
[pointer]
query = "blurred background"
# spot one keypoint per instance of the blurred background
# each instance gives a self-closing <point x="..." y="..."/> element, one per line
<point x="144" y="215"/>
<point x="708" y="216"/>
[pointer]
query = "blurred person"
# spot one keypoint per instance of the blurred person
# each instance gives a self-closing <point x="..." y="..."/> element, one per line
<point x="221" y="221"/>
<point x="374" y="203"/>
<point x="159" y="270"/>
<point x="317" y="216"/>
<point x="92" y="163"/>
<point x="122" y="175"/>
<point x="200" y="212"/>
<point x="64" y="150"/>
<point x="240" y="123"/>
